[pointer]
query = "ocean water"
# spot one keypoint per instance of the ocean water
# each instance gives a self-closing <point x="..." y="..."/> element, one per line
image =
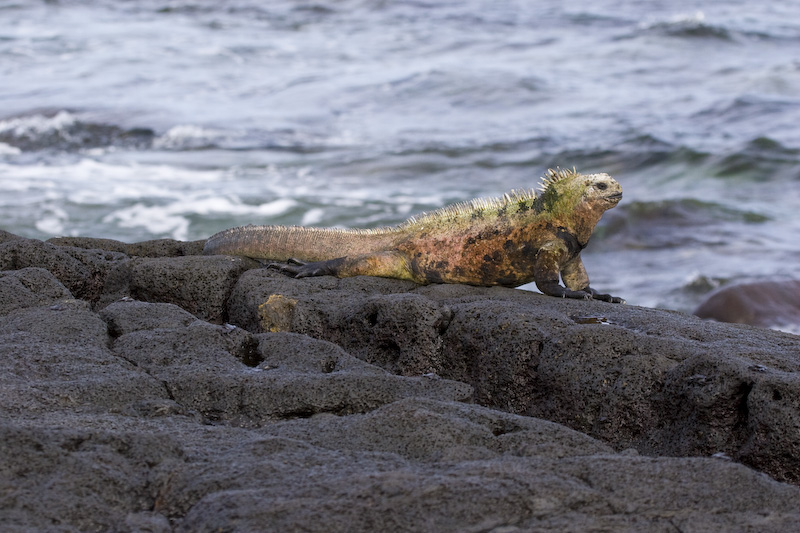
<point x="178" y="118"/>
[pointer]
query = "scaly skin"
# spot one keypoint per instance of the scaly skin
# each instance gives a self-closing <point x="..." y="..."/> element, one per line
<point x="509" y="241"/>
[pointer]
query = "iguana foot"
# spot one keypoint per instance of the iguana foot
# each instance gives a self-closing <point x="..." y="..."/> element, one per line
<point x="576" y="295"/>
<point x="591" y="294"/>
<point x="552" y="288"/>
<point x="284" y="268"/>
<point x="300" y="269"/>
<point x="605" y="297"/>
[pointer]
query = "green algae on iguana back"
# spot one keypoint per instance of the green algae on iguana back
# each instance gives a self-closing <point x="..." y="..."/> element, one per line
<point x="509" y="241"/>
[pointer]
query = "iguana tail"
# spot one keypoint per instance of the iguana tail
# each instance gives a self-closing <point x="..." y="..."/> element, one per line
<point x="280" y="243"/>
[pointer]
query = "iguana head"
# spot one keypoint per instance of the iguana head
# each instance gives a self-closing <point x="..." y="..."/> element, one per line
<point x="567" y="192"/>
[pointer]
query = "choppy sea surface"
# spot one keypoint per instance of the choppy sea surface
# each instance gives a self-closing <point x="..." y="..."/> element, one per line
<point x="178" y="118"/>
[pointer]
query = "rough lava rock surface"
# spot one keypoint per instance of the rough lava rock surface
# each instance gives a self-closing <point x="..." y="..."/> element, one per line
<point x="144" y="387"/>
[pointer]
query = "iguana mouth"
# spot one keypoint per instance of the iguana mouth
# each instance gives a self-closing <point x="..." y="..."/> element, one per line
<point x="616" y="197"/>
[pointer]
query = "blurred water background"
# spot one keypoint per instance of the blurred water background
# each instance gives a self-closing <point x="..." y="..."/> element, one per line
<point x="135" y="120"/>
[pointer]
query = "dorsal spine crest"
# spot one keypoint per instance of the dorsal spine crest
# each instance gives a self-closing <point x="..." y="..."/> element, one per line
<point x="553" y="176"/>
<point x="509" y="203"/>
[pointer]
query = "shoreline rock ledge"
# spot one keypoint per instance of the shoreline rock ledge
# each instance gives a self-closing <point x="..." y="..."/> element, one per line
<point x="145" y="387"/>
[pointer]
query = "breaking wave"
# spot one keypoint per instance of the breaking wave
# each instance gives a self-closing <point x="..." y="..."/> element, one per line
<point x="64" y="131"/>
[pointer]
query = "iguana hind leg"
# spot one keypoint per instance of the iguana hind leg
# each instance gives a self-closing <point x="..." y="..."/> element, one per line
<point x="390" y="264"/>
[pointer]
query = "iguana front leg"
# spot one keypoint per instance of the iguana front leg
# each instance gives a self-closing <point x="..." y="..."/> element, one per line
<point x="547" y="272"/>
<point x="391" y="264"/>
<point x="575" y="278"/>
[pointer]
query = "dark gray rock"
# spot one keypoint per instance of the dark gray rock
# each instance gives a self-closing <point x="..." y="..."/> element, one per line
<point x="89" y="243"/>
<point x="301" y="353"/>
<point x="425" y="430"/>
<point x="218" y="372"/>
<point x="408" y="438"/>
<point x="200" y="285"/>
<point x="376" y="319"/>
<point x="56" y="357"/>
<point x="618" y="373"/>
<point x="82" y="271"/>
<point x="765" y="303"/>
<point x="59" y="478"/>
<point x="65" y="322"/>
<point x="6" y="236"/>
<point x="592" y="493"/>
<point x="310" y="412"/>
<point x="22" y="253"/>
<point x="731" y="404"/>
<point x="131" y="315"/>
<point x="165" y="248"/>
<point x="264" y="300"/>
<point x="29" y="287"/>
<point x="154" y="248"/>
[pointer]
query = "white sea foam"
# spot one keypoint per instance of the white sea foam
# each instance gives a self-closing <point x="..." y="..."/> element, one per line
<point x="52" y="221"/>
<point x="7" y="149"/>
<point x="156" y="198"/>
<point x="158" y="220"/>
<point x="173" y="218"/>
<point x="33" y="125"/>
<point x="186" y="136"/>
<point x="275" y="208"/>
<point x="87" y="177"/>
<point x="312" y="217"/>
<point x="696" y="17"/>
<point x="789" y="328"/>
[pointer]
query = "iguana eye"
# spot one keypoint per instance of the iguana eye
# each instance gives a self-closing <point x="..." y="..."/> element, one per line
<point x="602" y="186"/>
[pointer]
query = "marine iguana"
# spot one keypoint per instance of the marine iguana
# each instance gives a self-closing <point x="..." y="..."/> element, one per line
<point x="509" y="241"/>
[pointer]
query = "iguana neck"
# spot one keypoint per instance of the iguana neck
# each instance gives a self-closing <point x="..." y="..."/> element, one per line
<point x="577" y="217"/>
<point x="583" y="219"/>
